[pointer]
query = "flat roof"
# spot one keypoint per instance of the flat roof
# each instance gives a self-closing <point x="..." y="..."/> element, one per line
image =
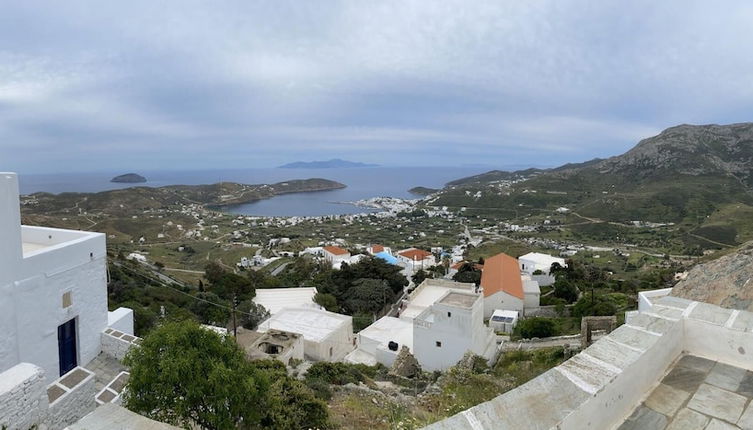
<point x="314" y="324"/>
<point x="275" y="299"/>
<point x="460" y="300"/>
<point x="388" y="329"/>
<point x="428" y="293"/>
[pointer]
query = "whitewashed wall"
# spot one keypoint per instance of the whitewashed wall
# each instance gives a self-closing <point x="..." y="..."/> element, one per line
<point x="23" y="397"/>
<point x="502" y="300"/>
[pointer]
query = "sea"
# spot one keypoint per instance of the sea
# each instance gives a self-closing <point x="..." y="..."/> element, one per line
<point x="361" y="183"/>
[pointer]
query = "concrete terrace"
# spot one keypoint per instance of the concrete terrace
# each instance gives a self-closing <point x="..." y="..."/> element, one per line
<point x="676" y="364"/>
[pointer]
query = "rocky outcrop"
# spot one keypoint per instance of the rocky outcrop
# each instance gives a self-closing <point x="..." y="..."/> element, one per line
<point x="725" y="282"/>
<point x="405" y="364"/>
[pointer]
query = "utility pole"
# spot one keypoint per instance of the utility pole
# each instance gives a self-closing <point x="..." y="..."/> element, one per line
<point x="235" y="325"/>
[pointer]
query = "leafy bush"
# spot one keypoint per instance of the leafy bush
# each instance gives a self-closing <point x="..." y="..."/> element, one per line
<point x="340" y="373"/>
<point x="536" y="327"/>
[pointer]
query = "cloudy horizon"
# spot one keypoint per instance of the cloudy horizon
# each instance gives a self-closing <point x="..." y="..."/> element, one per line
<point x="91" y="86"/>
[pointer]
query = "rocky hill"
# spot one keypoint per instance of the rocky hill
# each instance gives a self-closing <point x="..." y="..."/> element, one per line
<point x="685" y="171"/>
<point x="143" y="198"/>
<point x="725" y="282"/>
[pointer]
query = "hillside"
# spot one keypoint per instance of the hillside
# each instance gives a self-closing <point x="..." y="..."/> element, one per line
<point x="698" y="176"/>
<point x="137" y="199"/>
<point x="722" y="282"/>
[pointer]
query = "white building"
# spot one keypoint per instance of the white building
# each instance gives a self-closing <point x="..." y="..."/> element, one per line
<point x="504" y="321"/>
<point x="54" y="291"/>
<point x="452" y="326"/>
<point x="505" y="288"/>
<point x="382" y="341"/>
<point x="374" y="249"/>
<point x="276" y="299"/>
<point x="327" y="336"/>
<point x="335" y="255"/>
<point x="53" y="319"/>
<point x="416" y="259"/>
<point x="534" y="261"/>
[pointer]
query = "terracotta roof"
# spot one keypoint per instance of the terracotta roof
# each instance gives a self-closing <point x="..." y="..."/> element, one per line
<point x="502" y="273"/>
<point x="335" y="250"/>
<point x="375" y="249"/>
<point x="415" y="254"/>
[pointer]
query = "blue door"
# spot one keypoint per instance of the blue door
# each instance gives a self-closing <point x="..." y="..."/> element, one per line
<point x="67" y="346"/>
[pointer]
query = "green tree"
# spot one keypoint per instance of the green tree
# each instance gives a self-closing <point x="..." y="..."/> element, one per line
<point x="251" y="314"/>
<point x="565" y="290"/>
<point x="206" y="309"/>
<point x="185" y="375"/>
<point x="420" y="276"/>
<point x="367" y="295"/>
<point x="327" y="301"/>
<point x="213" y="272"/>
<point x="468" y="273"/>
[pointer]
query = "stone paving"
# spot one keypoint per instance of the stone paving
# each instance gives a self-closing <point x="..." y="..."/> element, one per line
<point x="105" y="369"/>
<point x="697" y="394"/>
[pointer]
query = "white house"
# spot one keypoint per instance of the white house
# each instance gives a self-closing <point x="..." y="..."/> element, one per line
<point x="276" y="299"/>
<point x="534" y="261"/>
<point x="502" y="285"/>
<point x="416" y="259"/>
<point x="327" y="336"/>
<point x="374" y="249"/>
<point x="382" y="341"/>
<point x="335" y="255"/>
<point x="54" y="292"/>
<point x="449" y="328"/>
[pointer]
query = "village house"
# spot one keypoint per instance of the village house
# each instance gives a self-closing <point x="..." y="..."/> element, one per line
<point x="276" y="299"/>
<point x="54" y="319"/>
<point x="504" y="287"/>
<point x="374" y="249"/>
<point x="335" y="256"/>
<point x="416" y="259"/>
<point x="439" y="322"/>
<point x="327" y="336"/>
<point x="535" y="261"/>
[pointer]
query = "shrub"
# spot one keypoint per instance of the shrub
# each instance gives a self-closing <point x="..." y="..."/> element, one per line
<point x="536" y="327"/>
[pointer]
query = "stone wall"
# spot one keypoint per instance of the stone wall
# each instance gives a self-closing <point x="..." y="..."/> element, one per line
<point x="117" y="344"/>
<point x="23" y="397"/>
<point x="76" y="401"/>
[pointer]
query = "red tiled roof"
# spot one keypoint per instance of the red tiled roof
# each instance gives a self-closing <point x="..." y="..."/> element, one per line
<point x="415" y="254"/>
<point x="502" y="273"/>
<point x="376" y="249"/>
<point x="335" y="250"/>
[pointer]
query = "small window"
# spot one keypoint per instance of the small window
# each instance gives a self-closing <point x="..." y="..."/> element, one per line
<point x="330" y="351"/>
<point x="449" y="314"/>
<point x="439" y="344"/>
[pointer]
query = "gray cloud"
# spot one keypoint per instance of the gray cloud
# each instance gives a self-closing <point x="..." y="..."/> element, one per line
<point x="238" y="83"/>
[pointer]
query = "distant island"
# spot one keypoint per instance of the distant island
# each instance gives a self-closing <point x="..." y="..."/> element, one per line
<point x="334" y="163"/>
<point x="129" y="178"/>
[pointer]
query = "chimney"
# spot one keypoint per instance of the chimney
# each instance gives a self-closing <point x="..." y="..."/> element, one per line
<point x="11" y="252"/>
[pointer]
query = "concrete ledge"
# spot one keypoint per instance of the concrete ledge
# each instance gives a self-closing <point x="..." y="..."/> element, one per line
<point x="113" y="391"/>
<point x="23" y="400"/>
<point x="71" y="397"/>
<point x="117" y="344"/>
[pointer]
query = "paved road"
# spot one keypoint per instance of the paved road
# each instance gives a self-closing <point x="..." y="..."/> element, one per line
<point x="280" y="268"/>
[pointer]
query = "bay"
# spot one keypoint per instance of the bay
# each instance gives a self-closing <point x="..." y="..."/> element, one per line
<point x="362" y="183"/>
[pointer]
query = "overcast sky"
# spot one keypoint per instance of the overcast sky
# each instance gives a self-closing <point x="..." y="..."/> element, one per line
<point x="168" y="85"/>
